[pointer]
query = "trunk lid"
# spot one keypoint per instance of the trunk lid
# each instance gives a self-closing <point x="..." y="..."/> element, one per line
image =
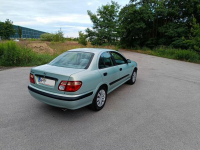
<point x="52" y="73"/>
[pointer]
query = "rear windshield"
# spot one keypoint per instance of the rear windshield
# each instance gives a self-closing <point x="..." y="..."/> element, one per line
<point x="76" y="60"/>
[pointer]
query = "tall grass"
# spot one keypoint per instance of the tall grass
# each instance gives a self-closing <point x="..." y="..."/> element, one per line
<point x="12" y="54"/>
<point x="168" y="52"/>
<point x="179" y="54"/>
<point x="59" y="47"/>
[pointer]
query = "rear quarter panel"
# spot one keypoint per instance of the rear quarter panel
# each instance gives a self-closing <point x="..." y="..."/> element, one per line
<point x="91" y="80"/>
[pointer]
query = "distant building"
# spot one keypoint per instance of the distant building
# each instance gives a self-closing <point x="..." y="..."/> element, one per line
<point x="27" y="33"/>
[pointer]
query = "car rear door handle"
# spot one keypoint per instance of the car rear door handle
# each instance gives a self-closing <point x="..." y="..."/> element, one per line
<point x="120" y="69"/>
<point x="105" y="74"/>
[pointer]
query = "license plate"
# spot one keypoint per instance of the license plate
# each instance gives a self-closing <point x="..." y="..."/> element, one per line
<point x="46" y="81"/>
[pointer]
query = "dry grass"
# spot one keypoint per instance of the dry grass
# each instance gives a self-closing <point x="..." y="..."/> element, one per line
<point x="56" y="47"/>
<point x="68" y="45"/>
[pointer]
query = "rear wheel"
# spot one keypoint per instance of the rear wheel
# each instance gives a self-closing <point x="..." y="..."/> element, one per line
<point x="99" y="99"/>
<point x="133" y="77"/>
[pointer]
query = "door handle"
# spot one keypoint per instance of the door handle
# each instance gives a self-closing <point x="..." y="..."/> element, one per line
<point x="105" y="74"/>
<point x="120" y="69"/>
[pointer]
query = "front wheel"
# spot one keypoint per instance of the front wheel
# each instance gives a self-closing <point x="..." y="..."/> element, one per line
<point x="133" y="77"/>
<point x="99" y="99"/>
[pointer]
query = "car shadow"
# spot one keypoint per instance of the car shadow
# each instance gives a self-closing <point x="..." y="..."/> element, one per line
<point x="64" y="113"/>
<point x="78" y="113"/>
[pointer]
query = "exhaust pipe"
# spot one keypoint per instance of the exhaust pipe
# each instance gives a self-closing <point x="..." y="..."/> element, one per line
<point x="64" y="109"/>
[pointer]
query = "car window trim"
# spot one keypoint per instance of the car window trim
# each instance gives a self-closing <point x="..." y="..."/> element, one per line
<point x="120" y="55"/>
<point x="111" y="60"/>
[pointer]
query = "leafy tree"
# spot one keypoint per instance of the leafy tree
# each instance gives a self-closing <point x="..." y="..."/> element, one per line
<point x="1" y="29"/>
<point x="194" y="38"/>
<point x="6" y="29"/>
<point x="105" y="24"/>
<point x="82" y="38"/>
<point x="157" y="22"/>
<point x="59" y="36"/>
<point x="19" y="31"/>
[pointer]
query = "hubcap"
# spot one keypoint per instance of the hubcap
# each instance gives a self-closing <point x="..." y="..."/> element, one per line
<point x="134" y="76"/>
<point x="101" y="97"/>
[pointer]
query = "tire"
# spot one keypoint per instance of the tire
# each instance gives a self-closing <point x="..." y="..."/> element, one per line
<point x="133" y="77"/>
<point x="99" y="99"/>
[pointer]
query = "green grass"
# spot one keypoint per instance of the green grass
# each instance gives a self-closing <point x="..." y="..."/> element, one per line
<point x="179" y="54"/>
<point x="12" y="54"/>
<point x="167" y="52"/>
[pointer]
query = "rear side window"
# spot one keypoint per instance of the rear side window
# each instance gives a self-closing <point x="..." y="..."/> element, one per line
<point x="119" y="59"/>
<point x="105" y="60"/>
<point x="76" y="60"/>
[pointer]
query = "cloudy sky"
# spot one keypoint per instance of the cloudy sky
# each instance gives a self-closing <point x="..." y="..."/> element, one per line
<point x="51" y="15"/>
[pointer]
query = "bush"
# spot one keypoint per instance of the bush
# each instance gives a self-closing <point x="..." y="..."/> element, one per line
<point x="12" y="54"/>
<point x="82" y="38"/>
<point x="57" y="37"/>
<point x="47" y="37"/>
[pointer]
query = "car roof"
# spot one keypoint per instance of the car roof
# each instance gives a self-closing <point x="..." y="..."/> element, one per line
<point x="92" y="50"/>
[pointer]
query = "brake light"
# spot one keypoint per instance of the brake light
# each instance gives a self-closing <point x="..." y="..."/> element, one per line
<point x="32" y="78"/>
<point x="70" y="86"/>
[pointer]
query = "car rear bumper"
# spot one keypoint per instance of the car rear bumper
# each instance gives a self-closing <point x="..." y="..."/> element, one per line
<point x="63" y="101"/>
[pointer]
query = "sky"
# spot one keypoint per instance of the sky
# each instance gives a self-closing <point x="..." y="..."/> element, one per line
<point x="51" y="15"/>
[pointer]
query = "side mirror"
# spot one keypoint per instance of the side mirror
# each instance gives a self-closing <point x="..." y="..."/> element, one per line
<point x="128" y="61"/>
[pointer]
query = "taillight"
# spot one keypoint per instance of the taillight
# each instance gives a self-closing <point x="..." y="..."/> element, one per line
<point x="32" y="78"/>
<point x="70" y="86"/>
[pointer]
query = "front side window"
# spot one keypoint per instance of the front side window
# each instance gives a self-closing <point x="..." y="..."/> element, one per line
<point x="105" y="60"/>
<point x="118" y="58"/>
<point x="76" y="60"/>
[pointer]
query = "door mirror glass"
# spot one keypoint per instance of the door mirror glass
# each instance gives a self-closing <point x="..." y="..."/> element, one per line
<point x="128" y="61"/>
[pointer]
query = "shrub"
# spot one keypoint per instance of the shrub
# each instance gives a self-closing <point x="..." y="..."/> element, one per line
<point x="82" y="38"/>
<point x="47" y="37"/>
<point x="57" y="37"/>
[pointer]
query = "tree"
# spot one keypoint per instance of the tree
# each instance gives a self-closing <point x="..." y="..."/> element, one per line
<point x="194" y="38"/>
<point x="105" y="24"/>
<point x="19" y="31"/>
<point x="82" y="38"/>
<point x="157" y="22"/>
<point x="59" y="36"/>
<point x="1" y="29"/>
<point x="7" y="29"/>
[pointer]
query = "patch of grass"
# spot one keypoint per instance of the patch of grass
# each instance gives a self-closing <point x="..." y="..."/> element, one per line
<point x="12" y="54"/>
<point x="168" y="52"/>
<point x="179" y="54"/>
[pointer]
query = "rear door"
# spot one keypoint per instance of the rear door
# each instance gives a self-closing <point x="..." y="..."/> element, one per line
<point x="108" y="71"/>
<point x="123" y="66"/>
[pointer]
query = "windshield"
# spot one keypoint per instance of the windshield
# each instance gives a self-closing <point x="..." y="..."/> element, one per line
<point x="76" y="60"/>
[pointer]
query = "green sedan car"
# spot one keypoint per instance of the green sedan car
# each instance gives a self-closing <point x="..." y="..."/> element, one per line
<point x="81" y="77"/>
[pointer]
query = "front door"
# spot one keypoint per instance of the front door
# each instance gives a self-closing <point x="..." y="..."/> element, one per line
<point x="123" y="66"/>
<point x="109" y="72"/>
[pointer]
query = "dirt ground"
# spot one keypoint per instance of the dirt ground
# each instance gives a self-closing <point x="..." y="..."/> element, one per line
<point x="41" y="48"/>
